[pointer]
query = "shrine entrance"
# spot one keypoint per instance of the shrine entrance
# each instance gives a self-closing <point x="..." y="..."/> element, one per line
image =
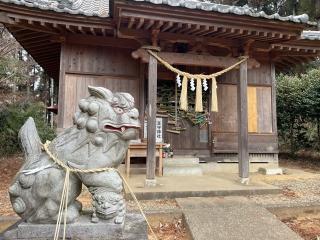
<point x="188" y="132"/>
<point x="196" y="60"/>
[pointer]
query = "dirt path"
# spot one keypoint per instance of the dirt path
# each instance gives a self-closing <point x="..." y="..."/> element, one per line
<point x="9" y="167"/>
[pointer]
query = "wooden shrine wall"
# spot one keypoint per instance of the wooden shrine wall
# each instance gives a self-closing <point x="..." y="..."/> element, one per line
<point x="262" y="133"/>
<point x="113" y="68"/>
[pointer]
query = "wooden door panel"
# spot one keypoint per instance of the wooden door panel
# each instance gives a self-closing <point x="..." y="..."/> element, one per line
<point x="264" y="104"/>
<point x="226" y="119"/>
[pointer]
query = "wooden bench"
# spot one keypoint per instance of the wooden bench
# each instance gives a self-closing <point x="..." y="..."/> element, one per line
<point x="140" y="150"/>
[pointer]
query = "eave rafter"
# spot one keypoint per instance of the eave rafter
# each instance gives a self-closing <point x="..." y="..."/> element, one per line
<point x="204" y="29"/>
<point x="286" y="60"/>
<point x="291" y="55"/>
<point x="293" y="48"/>
<point x="53" y="26"/>
<point x="227" y="26"/>
<point x="39" y="45"/>
<point x="39" y="32"/>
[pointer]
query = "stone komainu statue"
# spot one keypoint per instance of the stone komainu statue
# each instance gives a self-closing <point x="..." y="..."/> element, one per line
<point x="99" y="138"/>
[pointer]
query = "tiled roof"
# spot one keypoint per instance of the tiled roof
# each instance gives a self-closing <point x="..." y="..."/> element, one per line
<point x="100" y="8"/>
<point x="221" y="8"/>
<point x="310" y="35"/>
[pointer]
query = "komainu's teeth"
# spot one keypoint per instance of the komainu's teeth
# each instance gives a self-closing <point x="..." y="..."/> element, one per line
<point x="123" y="128"/>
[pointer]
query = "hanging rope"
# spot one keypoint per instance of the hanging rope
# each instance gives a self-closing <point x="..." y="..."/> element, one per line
<point x="199" y="105"/>
<point x="184" y="94"/>
<point x="195" y="76"/>
<point x="214" y="96"/>
<point x="199" y="77"/>
<point x="65" y="192"/>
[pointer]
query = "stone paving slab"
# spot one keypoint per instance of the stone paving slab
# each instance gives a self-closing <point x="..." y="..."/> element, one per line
<point x="219" y="184"/>
<point x="232" y="218"/>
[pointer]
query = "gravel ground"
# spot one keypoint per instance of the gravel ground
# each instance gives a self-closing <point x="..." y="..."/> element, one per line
<point x="302" y="192"/>
<point x="300" y="188"/>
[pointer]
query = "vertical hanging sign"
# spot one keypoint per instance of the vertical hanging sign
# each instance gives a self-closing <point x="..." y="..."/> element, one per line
<point x="159" y="130"/>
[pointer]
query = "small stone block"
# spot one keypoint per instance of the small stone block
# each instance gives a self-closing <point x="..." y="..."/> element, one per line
<point x="135" y="227"/>
<point x="271" y="171"/>
<point x="150" y="183"/>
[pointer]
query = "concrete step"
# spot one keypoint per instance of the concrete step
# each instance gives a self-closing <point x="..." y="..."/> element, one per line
<point x="182" y="166"/>
<point x="182" y="170"/>
<point x="232" y="218"/>
<point x="181" y="160"/>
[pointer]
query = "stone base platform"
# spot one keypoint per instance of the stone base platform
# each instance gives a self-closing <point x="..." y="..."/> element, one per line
<point x="134" y="227"/>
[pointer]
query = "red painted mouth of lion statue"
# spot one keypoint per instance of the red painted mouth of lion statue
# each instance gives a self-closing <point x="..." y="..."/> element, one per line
<point x="120" y="128"/>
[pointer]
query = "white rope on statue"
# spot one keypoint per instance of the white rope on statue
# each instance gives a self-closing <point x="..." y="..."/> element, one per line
<point x="63" y="206"/>
<point x="65" y="192"/>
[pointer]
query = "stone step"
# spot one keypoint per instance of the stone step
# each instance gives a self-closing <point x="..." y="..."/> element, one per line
<point x="181" y="161"/>
<point x="232" y="218"/>
<point x="182" y="170"/>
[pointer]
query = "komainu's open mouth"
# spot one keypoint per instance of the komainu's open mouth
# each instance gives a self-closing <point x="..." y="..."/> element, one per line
<point x="120" y="129"/>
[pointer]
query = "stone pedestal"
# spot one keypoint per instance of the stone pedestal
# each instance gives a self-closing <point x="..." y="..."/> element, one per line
<point x="134" y="227"/>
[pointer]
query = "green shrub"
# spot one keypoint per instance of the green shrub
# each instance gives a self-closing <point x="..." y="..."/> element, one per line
<point x="13" y="116"/>
<point x="298" y="111"/>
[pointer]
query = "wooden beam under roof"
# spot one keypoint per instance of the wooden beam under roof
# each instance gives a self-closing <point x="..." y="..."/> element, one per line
<point x="24" y="33"/>
<point x="167" y="26"/>
<point x="140" y="24"/>
<point x="193" y="59"/>
<point x="131" y="22"/>
<point x="53" y="23"/>
<point x="204" y="30"/>
<point x="149" y="25"/>
<point x="296" y="47"/>
<point x="172" y="37"/>
<point x="211" y="29"/>
<point x="283" y="30"/>
<point x="280" y="66"/>
<point x="282" y="54"/>
<point x="194" y="28"/>
<point x="159" y="24"/>
<point x="101" y="41"/>
<point x="71" y="29"/>
<point x="32" y="36"/>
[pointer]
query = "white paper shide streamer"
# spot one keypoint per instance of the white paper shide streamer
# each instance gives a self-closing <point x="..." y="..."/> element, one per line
<point x="205" y="85"/>
<point x="179" y="81"/>
<point x="192" y="86"/>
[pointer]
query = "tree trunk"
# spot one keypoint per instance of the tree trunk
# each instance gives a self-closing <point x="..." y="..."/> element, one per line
<point x="292" y="147"/>
<point x="318" y="130"/>
<point x="28" y="90"/>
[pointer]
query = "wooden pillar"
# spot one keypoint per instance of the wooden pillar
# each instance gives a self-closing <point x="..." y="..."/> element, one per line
<point x="274" y="100"/>
<point x="243" y="153"/>
<point x="142" y="99"/>
<point x="151" y="118"/>
<point x="61" y="98"/>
